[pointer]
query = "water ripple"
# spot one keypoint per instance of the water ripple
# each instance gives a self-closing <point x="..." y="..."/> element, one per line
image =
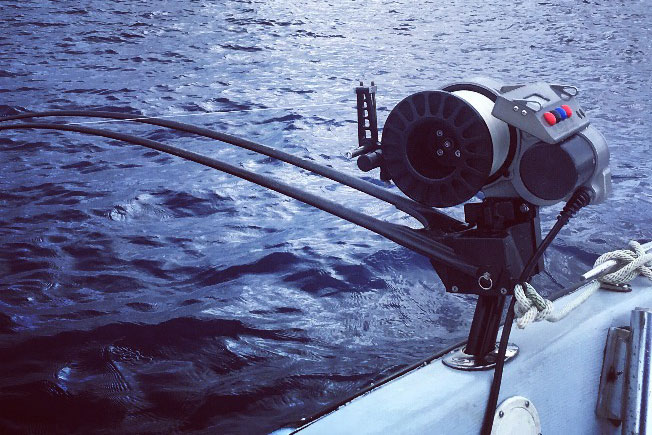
<point x="141" y="293"/>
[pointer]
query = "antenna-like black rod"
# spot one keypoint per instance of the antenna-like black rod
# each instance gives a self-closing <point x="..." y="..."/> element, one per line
<point x="426" y="215"/>
<point x="404" y="236"/>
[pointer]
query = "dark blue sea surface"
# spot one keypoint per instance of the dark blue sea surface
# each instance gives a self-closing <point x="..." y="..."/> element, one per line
<point x="142" y="293"/>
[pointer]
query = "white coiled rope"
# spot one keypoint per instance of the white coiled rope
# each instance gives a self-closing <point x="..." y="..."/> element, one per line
<point x="532" y="307"/>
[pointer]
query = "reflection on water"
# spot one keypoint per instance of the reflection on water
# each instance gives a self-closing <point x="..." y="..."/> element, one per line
<point x="141" y="293"/>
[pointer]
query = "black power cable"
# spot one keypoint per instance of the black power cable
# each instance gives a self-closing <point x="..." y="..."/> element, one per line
<point x="580" y="198"/>
<point x="400" y="234"/>
<point x="423" y="214"/>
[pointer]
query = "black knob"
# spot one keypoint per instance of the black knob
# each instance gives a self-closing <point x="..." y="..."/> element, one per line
<point x="373" y="160"/>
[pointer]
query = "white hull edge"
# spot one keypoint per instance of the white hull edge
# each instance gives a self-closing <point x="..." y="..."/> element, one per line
<point x="558" y="369"/>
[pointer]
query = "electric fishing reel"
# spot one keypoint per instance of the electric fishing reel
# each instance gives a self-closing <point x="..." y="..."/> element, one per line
<point x="515" y="147"/>
<point x="441" y="148"/>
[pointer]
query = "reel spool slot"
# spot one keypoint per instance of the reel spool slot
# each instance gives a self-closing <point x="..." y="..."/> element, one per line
<point x="442" y="147"/>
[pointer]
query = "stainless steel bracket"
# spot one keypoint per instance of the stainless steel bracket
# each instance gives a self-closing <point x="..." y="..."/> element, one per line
<point x="460" y="360"/>
<point x="637" y="409"/>
<point x="625" y="392"/>
<point x="620" y="288"/>
<point x="612" y="380"/>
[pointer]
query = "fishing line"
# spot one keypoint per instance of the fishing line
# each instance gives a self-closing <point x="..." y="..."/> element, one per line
<point x="216" y="112"/>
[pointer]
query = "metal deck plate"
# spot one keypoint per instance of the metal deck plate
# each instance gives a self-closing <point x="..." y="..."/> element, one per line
<point x="462" y="361"/>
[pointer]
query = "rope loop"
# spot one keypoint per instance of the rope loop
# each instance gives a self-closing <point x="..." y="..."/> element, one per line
<point x="532" y="307"/>
<point x="637" y="262"/>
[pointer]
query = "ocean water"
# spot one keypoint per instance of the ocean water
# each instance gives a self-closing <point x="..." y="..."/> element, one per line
<point x="140" y="293"/>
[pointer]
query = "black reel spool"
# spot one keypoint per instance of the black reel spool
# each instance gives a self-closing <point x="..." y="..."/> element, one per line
<point x="439" y="149"/>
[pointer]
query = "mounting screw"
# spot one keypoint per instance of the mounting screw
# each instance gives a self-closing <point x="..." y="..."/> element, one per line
<point x="440" y="152"/>
<point x="515" y="108"/>
<point x="458" y="153"/>
<point x="503" y="291"/>
<point x="524" y="208"/>
<point x="440" y="133"/>
<point x="454" y="289"/>
<point x="524" y="112"/>
<point x="527" y="403"/>
<point x="501" y="414"/>
<point x="447" y="144"/>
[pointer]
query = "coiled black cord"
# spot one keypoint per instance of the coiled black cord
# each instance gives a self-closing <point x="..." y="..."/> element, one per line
<point x="580" y="198"/>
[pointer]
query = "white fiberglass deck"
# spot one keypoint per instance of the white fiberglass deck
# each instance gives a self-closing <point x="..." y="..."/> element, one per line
<point x="558" y="368"/>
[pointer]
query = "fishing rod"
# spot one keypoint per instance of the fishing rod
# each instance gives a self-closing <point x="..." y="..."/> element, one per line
<point x="517" y="147"/>
<point x="403" y="235"/>
<point x="425" y="215"/>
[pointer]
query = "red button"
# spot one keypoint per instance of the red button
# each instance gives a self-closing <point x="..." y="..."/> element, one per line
<point x="568" y="111"/>
<point x="550" y="118"/>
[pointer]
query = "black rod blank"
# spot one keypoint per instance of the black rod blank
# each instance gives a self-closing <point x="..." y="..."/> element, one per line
<point x="426" y="215"/>
<point x="402" y="235"/>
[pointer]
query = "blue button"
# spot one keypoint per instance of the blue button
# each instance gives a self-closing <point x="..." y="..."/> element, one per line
<point x="561" y="112"/>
